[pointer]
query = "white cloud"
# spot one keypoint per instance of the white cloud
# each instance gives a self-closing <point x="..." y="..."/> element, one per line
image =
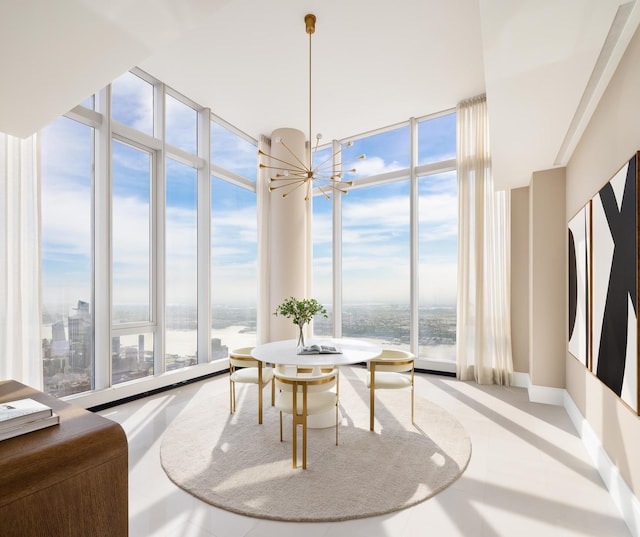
<point x="372" y="166"/>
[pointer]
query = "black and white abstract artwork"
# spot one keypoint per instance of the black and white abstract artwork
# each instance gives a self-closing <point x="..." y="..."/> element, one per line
<point x="614" y="243"/>
<point x="578" y="257"/>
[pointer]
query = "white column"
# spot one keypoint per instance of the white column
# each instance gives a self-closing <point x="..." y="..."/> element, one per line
<point x="288" y="224"/>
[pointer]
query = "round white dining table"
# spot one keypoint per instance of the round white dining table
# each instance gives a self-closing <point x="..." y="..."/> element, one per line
<point x="285" y="352"/>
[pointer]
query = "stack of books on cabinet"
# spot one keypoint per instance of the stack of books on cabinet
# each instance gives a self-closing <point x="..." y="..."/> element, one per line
<point x="24" y="416"/>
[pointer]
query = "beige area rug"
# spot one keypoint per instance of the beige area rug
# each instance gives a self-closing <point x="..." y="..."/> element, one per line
<point x="233" y="463"/>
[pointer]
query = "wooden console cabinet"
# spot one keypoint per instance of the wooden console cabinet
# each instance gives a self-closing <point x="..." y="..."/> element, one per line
<point x="66" y="480"/>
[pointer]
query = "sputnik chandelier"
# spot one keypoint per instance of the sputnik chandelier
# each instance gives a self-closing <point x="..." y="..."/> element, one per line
<point x="292" y="174"/>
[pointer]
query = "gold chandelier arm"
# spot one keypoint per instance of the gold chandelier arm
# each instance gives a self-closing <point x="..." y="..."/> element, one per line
<point x="296" y="171"/>
<point x="278" y="187"/>
<point x="302" y="164"/>
<point x="294" y="188"/>
<point x="290" y="177"/>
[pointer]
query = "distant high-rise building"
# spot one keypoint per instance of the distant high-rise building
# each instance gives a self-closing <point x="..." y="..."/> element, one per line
<point x="59" y="343"/>
<point x="80" y="338"/>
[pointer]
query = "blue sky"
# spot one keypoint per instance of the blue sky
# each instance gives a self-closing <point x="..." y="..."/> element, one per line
<point x="375" y="220"/>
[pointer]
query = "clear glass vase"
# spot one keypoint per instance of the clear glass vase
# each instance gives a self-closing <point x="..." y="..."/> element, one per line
<point x="301" y="335"/>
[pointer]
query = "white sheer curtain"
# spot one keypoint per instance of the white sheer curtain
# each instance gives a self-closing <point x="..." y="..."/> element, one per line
<point x="263" y="207"/>
<point x="20" y="347"/>
<point x="484" y="327"/>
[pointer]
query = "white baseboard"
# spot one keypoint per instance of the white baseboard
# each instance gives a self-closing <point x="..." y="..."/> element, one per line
<point x="620" y="492"/>
<point x="546" y="395"/>
<point x="622" y="496"/>
<point x="538" y="394"/>
<point x="520" y="380"/>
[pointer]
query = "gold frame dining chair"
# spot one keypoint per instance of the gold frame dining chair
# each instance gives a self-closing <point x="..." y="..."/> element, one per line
<point x="388" y="372"/>
<point x="303" y="394"/>
<point x="245" y="369"/>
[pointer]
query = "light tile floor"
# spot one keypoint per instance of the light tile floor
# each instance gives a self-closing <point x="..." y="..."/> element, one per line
<point x="529" y="475"/>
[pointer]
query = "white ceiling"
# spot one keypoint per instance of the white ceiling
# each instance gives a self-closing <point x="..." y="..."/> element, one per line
<point x="374" y="63"/>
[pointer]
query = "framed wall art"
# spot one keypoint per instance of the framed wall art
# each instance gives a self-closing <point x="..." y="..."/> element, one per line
<point x="579" y="282"/>
<point x="614" y="283"/>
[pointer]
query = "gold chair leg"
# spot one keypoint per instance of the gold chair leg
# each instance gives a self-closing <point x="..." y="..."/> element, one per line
<point x="294" y="444"/>
<point x="371" y="396"/>
<point x="273" y="391"/>
<point x="232" y="396"/>
<point x="304" y="441"/>
<point x="336" y="423"/>
<point x="412" y="404"/>
<point x="412" y="391"/>
<point x="259" y="393"/>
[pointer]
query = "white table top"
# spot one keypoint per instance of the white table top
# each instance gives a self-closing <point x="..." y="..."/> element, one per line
<point x="285" y="352"/>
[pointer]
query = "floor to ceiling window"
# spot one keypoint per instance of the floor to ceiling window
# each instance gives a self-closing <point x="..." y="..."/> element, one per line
<point x="148" y="230"/>
<point x="132" y="311"/>
<point x="376" y="263"/>
<point x="234" y="244"/>
<point x="149" y="239"/>
<point x="395" y="239"/>
<point x="181" y="269"/>
<point x="67" y="157"/>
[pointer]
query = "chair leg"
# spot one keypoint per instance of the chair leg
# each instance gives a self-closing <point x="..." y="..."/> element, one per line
<point x="412" y="391"/>
<point x="372" y="398"/>
<point x="232" y="396"/>
<point x="273" y="391"/>
<point x="304" y="441"/>
<point x="294" y="443"/>
<point x="336" y="423"/>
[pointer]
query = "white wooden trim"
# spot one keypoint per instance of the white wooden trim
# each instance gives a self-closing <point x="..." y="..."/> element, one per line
<point x="546" y="395"/>
<point x="520" y="380"/>
<point x="620" y="492"/>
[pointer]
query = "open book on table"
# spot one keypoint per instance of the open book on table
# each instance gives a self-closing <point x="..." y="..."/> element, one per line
<point x="319" y="349"/>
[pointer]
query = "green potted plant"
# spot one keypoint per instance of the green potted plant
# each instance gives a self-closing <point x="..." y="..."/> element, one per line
<point x="300" y="312"/>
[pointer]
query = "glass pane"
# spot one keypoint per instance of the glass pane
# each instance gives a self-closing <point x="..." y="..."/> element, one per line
<point x="322" y="263"/>
<point x="181" y="316"/>
<point x="437" y="139"/>
<point x="131" y="357"/>
<point x="89" y="102"/>
<point x="376" y="263"/>
<point x="385" y="152"/>
<point x="234" y="275"/>
<point x="131" y="234"/>
<point x="67" y="272"/>
<point x="132" y="102"/>
<point x="438" y="265"/>
<point x="233" y="153"/>
<point x="181" y="129"/>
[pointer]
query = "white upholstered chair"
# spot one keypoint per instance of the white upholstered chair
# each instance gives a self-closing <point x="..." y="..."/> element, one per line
<point x="392" y="369"/>
<point x="303" y="393"/>
<point x="245" y="369"/>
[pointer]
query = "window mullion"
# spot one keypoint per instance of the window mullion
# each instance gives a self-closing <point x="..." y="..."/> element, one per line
<point x="337" y="249"/>
<point x="102" y="253"/>
<point x="158" y="260"/>
<point x="204" y="237"/>
<point x="414" y="238"/>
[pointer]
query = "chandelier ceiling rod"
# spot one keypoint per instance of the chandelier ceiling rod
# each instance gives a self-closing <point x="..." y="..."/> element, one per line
<point x="310" y="26"/>
<point x="294" y="174"/>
